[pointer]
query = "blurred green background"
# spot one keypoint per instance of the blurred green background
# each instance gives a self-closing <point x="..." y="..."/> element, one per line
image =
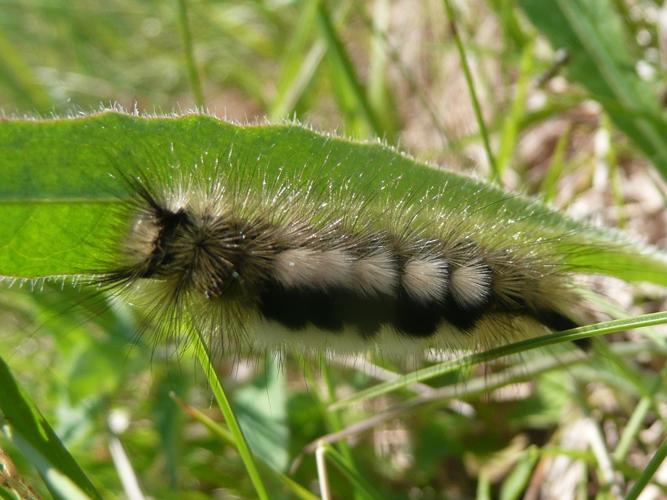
<point x="570" y="109"/>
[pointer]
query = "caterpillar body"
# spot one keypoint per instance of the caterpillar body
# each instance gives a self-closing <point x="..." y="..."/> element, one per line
<point x="314" y="266"/>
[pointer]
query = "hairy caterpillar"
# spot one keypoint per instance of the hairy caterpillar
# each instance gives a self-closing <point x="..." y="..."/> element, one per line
<point x="313" y="266"/>
<point x="276" y="237"/>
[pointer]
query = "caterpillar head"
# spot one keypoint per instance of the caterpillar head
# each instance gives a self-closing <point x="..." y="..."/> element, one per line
<point x="193" y="252"/>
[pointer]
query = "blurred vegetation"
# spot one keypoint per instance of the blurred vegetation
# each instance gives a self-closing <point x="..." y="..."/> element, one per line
<point x="571" y="99"/>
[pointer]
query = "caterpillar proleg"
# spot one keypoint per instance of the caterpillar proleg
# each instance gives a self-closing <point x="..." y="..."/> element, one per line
<point x="313" y="266"/>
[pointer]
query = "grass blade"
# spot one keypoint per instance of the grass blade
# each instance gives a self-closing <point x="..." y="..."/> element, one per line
<point x="18" y="76"/>
<point x="226" y="436"/>
<point x="337" y="50"/>
<point x="359" y="481"/>
<point x="188" y="52"/>
<point x="517" y="112"/>
<point x="495" y="173"/>
<point x="648" y="472"/>
<point x="298" y="65"/>
<point x="499" y="352"/>
<point x="240" y="442"/>
<point x="26" y="426"/>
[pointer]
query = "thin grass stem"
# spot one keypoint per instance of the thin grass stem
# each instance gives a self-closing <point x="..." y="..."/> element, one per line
<point x="649" y="471"/>
<point x="347" y="69"/>
<point x="495" y="173"/>
<point x="188" y="52"/>
<point x="502" y="351"/>
<point x="204" y="357"/>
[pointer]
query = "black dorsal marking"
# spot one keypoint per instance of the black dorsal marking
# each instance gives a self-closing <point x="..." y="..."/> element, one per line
<point x="168" y="222"/>
<point x="466" y="315"/>
<point x="295" y="308"/>
<point x="364" y="313"/>
<point x="278" y="304"/>
<point x="417" y="318"/>
<point x="320" y="309"/>
<point x="554" y="320"/>
<point x="559" y="322"/>
<point x="328" y="308"/>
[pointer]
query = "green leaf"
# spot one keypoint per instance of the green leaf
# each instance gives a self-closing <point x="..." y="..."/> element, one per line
<point x="31" y="433"/>
<point x="602" y="60"/>
<point x="58" y="197"/>
<point x="168" y="420"/>
<point x="261" y="407"/>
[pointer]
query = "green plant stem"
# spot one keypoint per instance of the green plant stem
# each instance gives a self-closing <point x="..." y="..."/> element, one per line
<point x="19" y="78"/>
<point x="203" y="355"/>
<point x="357" y="479"/>
<point x="193" y="75"/>
<point x="556" y="167"/>
<point x="483" y="487"/>
<point x="517" y="111"/>
<point x="226" y="436"/>
<point x="332" y="418"/>
<point x="495" y="174"/>
<point x="649" y="471"/>
<point x="475" y="387"/>
<point x="632" y="429"/>
<point x="337" y="50"/>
